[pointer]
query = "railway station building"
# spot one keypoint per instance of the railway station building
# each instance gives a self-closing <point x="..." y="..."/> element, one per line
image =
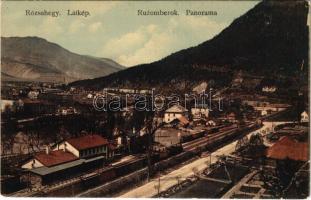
<point x="68" y="159"/>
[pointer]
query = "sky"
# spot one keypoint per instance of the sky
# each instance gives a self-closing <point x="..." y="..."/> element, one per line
<point x="114" y="30"/>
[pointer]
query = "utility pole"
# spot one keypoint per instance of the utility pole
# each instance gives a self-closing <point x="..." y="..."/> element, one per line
<point x="159" y="186"/>
<point x="148" y="129"/>
<point x="28" y="181"/>
<point x="151" y="128"/>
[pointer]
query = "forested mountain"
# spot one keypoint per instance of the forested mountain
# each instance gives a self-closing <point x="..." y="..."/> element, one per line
<point x="270" y="40"/>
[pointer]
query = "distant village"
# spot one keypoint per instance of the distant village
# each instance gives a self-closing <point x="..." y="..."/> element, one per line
<point x="53" y="136"/>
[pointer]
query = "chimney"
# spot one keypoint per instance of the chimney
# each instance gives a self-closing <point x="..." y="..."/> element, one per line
<point x="33" y="164"/>
<point x="47" y="149"/>
<point x="65" y="146"/>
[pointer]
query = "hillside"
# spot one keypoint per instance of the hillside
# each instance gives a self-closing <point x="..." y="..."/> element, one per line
<point x="270" y="40"/>
<point x="36" y="59"/>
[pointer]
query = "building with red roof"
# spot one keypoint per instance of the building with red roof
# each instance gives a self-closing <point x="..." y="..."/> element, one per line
<point x="68" y="159"/>
<point x="180" y="121"/>
<point x="287" y="148"/>
<point x="86" y="146"/>
<point x="83" y="147"/>
<point x="88" y="141"/>
<point x="50" y="159"/>
<point x="183" y="120"/>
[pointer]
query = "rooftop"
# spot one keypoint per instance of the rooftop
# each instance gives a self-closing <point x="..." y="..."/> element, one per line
<point x="177" y="109"/>
<point x="88" y="141"/>
<point x="289" y="148"/>
<point x="55" y="157"/>
<point x="49" y="170"/>
<point x="183" y="120"/>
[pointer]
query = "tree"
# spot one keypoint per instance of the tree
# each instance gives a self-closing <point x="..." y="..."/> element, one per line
<point x="151" y="127"/>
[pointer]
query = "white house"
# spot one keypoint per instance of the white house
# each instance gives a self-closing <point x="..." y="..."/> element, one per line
<point x="7" y="105"/>
<point x="11" y="105"/>
<point x="85" y="146"/>
<point x="33" y="94"/>
<point x="264" y="112"/>
<point x="89" y="96"/>
<point x="67" y="111"/>
<point x="304" y="117"/>
<point x="175" y="112"/>
<point x="270" y="89"/>
<point x="119" y="141"/>
<point x="200" y="111"/>
<point x="211" y="123"/>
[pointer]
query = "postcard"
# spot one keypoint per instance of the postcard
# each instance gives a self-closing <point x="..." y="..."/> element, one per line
<point x="155" y="99"/>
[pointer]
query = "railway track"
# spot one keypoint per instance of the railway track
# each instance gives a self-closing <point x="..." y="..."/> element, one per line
<point x="215" y="137"/>
<point x="205" y="140"/>
<point x="187" y="146"/>
<point x="208" y="139"/>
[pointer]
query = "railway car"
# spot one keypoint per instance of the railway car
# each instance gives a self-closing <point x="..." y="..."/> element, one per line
<point x="126" y="168"/>
<point x="108" y="175"/>
<point x="192" y="136"/>
<point x="228" y="127"/>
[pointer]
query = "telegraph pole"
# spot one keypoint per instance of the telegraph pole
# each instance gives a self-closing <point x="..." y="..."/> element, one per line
<point x="148" y="129"/>
<point x="159" y="186"/>
<point x="151" y="128"/>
